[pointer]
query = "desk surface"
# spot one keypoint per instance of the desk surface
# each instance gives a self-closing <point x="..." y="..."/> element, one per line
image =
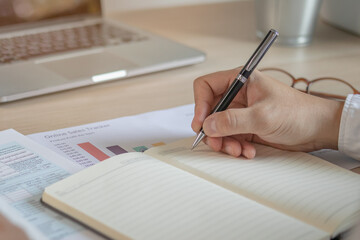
<point x="225" y="32"/>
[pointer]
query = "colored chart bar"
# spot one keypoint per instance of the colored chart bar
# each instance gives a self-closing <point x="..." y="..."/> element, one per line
<point x="140" y="148"/>
<point x="94" y="151"/>
<point x="158" y="144"/>
<point x="116" y="149"/>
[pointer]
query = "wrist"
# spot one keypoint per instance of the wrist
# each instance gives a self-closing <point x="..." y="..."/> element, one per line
<point x="330" y="124"/>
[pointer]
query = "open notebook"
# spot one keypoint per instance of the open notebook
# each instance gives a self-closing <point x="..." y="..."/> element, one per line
<point x="171" y="192"/>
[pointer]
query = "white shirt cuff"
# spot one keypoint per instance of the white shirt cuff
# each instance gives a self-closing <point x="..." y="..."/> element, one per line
<point x="349" y="134"/>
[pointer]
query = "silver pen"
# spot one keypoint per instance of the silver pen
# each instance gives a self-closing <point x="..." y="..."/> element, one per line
<point x="241" y="78"/>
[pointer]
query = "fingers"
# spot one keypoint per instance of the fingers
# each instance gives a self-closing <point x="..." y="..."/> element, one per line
<point x="214" y="143"/>
<point x="248" y="149"/>
<point x="230" y="122"/>
<point x="10" y="231"/>
<point x="231" y="146"/>
<point x="206" y="90"/>
<point x="202" y="110"/>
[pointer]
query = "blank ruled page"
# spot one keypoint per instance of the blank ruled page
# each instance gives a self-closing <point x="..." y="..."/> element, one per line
<point x="135" y="196"/>
<point x="298" y="184"/>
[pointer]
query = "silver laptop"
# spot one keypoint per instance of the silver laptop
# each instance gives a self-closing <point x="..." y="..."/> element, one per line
<point x="53" y="45"/>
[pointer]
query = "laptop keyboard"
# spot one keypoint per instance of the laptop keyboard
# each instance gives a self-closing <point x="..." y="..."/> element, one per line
<point x="70" y="39"/>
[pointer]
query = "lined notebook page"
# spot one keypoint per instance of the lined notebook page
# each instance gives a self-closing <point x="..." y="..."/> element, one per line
<point x="143" y="198"/>
<point x="298" y="184"/>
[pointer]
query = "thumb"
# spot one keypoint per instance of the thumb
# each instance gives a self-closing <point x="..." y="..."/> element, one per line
<point x="229" y="122"/>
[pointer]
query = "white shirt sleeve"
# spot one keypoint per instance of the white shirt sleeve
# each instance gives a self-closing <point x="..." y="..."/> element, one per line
<point x="349" y="134"/>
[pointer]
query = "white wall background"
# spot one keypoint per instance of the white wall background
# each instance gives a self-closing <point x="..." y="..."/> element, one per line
<point x="127" y="5"/>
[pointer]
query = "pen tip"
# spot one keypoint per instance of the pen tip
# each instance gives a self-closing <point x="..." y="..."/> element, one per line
<point x="198" y="139"/>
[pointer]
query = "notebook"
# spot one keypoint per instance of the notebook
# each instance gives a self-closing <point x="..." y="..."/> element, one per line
<point x="48" y="46"/>
<point x="171" y="192"/>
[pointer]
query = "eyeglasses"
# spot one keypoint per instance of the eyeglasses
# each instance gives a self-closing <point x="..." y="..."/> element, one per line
<point x="326" y="87"/>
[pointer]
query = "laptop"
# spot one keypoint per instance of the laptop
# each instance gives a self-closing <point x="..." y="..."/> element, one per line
<point x="53" y="45"/>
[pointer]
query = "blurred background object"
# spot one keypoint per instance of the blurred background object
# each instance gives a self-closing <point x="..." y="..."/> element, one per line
<point x="21" y="11"/>
<point x="294" y="20"/>
<point x="344" y="14"/>
<point x="54" y="45"/>
<point x="127" y="5"/>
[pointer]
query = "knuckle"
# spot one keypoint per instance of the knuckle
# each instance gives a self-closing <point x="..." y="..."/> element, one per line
<point x="197" y="81"/>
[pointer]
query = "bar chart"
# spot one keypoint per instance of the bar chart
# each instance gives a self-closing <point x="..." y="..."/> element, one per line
<point x="93" y="151"/>
<point x="100" y="155"/>
<point x="116" y="149"/>
<point x="92" y="143"/>
<point x="140" y="149"/>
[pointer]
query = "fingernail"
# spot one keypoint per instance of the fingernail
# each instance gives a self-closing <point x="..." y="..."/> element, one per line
<point x="203" y="115"/>
<point x="249" y="153"/>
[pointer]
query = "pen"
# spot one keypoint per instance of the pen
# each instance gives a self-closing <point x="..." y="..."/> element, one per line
<point x="241" y="78"/>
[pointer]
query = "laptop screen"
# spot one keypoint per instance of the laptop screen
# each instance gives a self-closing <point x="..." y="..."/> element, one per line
<point x="22" y="11"/>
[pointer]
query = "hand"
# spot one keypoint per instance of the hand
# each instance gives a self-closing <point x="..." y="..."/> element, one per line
<point x="265" y="111"/>
<point x="10" y="231"/>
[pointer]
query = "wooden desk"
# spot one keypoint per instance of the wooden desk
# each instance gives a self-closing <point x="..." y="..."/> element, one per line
<point x="225" y="32"/>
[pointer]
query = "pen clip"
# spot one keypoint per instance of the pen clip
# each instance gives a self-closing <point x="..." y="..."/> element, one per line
<point x="262" y="49"/>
